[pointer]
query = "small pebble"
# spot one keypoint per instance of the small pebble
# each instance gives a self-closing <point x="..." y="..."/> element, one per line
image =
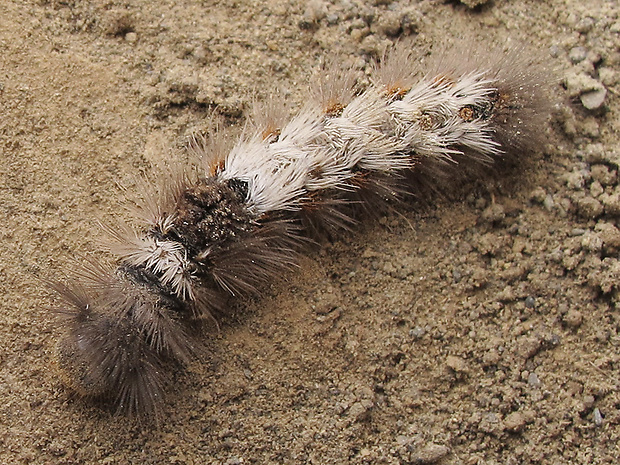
<point x="573" y="319"/>
<point x="608" y="76"/>
<point x="131" y="37"/>
<point x="596" y="189"/>
<point x="332" y="19"/>
<point x="418" y="332"/>
<point x="533" y="380"/>
<point x="530" y="302"/>
<point x="589" y="207"/>
<point x="410" y="20"/>
<point x="538" y="195"/>
<point x="597" y="417"/>
<point x="610" y="235"/>
<point x="431" y="454"/>
<point x="387" y="24"/>
<point x="360" y="411"/>
<point x="585" y="25"/>
<point x="575" y="179"/>
<point x="591" y="127"/>
<point x="494" y="213"/>
<point x="580" y="83"/>
<point x="595" y="99"/>
<point x="528" y="347"/>
<point x="603" y="175"/>
<point x="591" y="92"/>
<point x="611" y="204"/>
<point x="515" y="422"/>
<point x="577" y="54"/>
<point x="588" y="402"/>
<point x="404" y="441"/>
<point x="315" y="11"/>
<point x="595" y="153"/>
<point x="592" y="242"/>
<point x="456" y="363"/>
<point x="116" y="22"/>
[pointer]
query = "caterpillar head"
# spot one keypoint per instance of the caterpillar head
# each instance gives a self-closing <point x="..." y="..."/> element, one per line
<point x="118" y="342"/>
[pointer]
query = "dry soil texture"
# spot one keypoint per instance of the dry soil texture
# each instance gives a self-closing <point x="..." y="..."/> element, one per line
<point x="479" y="330"/>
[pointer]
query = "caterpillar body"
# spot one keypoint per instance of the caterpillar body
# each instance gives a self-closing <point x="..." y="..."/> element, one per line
<point x="247" y="213"/>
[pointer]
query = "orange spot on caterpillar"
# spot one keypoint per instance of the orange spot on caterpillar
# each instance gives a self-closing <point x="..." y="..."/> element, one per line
<point x="334" y="108"/>
<point x="271" y="134"/>
<point x="442" y="81"/>
<point x="467" y="114"/>
<point x="397" y="91"/>
<point x="216" y="168"/>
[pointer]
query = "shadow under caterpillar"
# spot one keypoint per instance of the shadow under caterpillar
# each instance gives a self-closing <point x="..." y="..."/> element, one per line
<point x="246" y="214"/>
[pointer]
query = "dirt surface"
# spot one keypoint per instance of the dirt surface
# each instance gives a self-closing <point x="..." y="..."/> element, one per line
<point x="478" y="331"/>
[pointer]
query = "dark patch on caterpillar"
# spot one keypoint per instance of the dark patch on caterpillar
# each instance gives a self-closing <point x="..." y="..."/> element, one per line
<point x="240" y="187"/>
<point x="483" y="110"/>
<point x="210" y="213"/>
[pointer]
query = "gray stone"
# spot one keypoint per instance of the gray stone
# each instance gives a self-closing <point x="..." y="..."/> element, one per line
<point x="577" y="54"/>
<point x="595" y="99"/>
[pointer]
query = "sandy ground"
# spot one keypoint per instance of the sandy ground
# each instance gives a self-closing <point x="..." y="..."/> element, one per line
<point x="478" y="331"/>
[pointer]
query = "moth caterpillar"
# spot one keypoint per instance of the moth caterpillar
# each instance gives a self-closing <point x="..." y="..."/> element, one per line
<point x="245" y="215"/>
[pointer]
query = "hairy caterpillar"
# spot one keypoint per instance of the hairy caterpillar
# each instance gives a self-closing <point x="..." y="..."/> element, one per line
<point x="247" y="213"/>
